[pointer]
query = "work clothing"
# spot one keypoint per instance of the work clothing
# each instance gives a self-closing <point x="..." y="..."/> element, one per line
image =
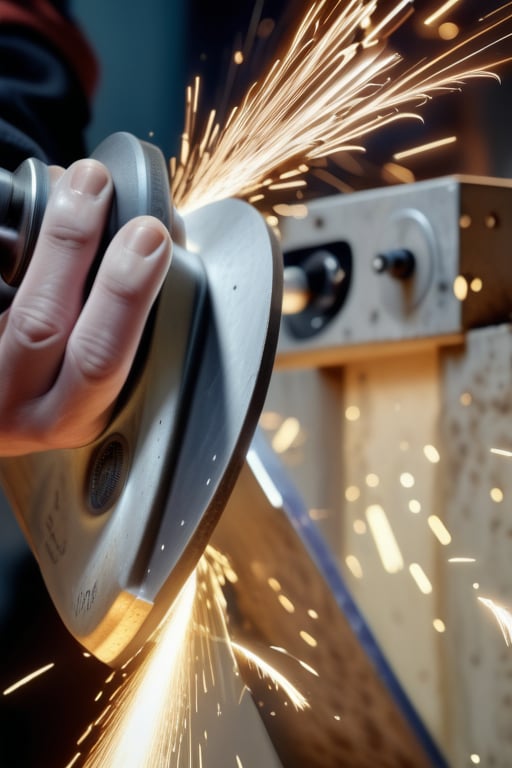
<point x="47" y="76"/>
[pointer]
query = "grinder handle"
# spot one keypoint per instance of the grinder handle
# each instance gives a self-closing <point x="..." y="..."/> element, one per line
<point x="141" y="186"/>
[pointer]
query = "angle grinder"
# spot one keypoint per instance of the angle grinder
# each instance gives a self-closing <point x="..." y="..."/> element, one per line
<point x="118" y="526"/>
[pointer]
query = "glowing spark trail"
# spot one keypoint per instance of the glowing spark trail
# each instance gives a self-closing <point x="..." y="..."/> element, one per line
<point x="502" y="616"/>
<point x="151" y="721"/>
<point x="279" y="680"/>
<point x="424" y="148"/>
<point x="27" y="679"/>
<point x="440" y="12"/>
<point x="330" y="89"/>
<point x="501" y="452"/>
<point x="146" y="720"/>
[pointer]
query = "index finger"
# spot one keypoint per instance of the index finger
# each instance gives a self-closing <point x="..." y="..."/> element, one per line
<point x="49" y="300"/>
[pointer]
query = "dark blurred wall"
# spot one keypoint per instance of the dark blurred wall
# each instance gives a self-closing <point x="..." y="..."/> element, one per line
<point x="140" y="45"/>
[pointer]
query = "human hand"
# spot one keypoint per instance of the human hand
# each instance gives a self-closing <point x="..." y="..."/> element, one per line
<point x="63" y="362"/>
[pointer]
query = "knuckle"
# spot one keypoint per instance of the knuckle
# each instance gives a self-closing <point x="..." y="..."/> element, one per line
<point x="97" y="357"/>
<point x="121" y="286"/>
<point x="69" y="237"/>
<point x="72" y="220"/>
<point x="35" y="324"/>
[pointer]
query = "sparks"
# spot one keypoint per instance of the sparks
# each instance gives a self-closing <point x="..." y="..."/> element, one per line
<point x="151" y="721"/>
<point x="74" y="760"/>
<point x="279" y="680"/>
<point x="146" y="719"/>
<point x="336" y="83"/>
<point x="501" y="452"/>
<point x="28" y="679"/>
<point x="502" y="616"/>
<point x="441" y="11"/>
<point x="428" y="147"/>
<point x="385" y="541"/>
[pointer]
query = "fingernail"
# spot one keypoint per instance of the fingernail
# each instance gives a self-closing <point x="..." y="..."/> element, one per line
<point x="89" y="178"/>
<point x="144" y="239"/>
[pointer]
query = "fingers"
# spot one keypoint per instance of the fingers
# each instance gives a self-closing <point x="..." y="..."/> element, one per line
<point x="103" y="344"/>
<point x="50" y="297"/>
<point x="64" y="362"/>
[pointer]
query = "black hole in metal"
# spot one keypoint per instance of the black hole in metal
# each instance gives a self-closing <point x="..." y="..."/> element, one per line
<point x="329" y="272"/>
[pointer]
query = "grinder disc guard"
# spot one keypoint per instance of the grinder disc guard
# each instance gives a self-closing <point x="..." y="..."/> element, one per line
<point x="119" y="525"/>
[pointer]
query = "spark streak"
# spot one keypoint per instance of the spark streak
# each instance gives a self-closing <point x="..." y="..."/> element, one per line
<point x="385" y="541"/>
<point x="279" y="680"/>
<point x="502" y="616"/>
<point x="424" y="148"/>
<point x="441" y="11"/>
<point x="330" y="89"/>
<point x="143" y="725"/>
<point x="28" y="679"/>
<point x="152" y="720"/>
<point x="501" y="452"/>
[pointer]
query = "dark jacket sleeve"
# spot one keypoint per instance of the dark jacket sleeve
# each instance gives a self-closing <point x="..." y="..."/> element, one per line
<point x="47" y="76"/>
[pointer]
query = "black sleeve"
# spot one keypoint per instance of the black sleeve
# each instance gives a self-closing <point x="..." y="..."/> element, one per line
<point x="45" y="83"/>
<point x="43" y="111"/>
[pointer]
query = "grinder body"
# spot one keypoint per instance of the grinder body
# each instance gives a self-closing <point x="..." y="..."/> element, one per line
<point x="117" y="526"/>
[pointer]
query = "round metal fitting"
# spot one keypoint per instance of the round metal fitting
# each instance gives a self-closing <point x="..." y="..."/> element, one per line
<point x="106" y="474"/>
